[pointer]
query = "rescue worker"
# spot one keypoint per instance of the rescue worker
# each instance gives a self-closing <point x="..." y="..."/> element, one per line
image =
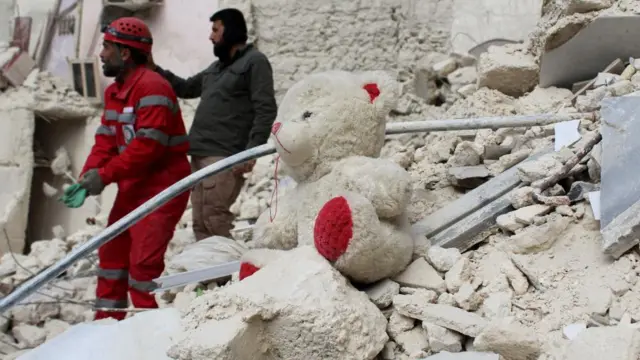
<point x="142" y="146"/>
<point x="236" y="112"/>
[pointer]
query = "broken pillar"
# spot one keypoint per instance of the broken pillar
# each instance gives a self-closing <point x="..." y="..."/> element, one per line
<point x="16" y="169"/>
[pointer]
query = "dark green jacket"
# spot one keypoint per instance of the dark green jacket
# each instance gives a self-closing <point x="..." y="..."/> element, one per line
<point x="237" y="104"/>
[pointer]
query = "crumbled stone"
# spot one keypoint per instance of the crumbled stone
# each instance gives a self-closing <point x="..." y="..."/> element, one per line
<point x="399" y="323"/>
<point x="459" y="273"/>
<point x="29" y="336"/>
<point x="521" y="197"/>
<point x="539" y="238"/>
<point x="449" y="317"/>
<point x="420" y="274"/>
<point x="526" y="214"/>
<point x="442" y="339"/>
<point x="443" y="259"/>
<point x="382" y="293"/>
<point x="509" y="339"/>
<point x="507" y="70"/>
<point x="467" y="298"/>
<point x="412" y="341"/>
<point x="508" y="223"/>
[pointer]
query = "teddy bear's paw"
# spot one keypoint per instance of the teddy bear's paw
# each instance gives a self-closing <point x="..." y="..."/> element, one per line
<point x="247" y="269"/>
<point x="349" y="234"/>
<point x="255" y="259"/>
<point x="333" y="229"/>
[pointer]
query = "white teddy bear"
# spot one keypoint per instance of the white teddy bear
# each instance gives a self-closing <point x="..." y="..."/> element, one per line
<point x="348" y="203"/>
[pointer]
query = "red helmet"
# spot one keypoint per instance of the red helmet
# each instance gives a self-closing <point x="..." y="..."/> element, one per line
<point x="129" y="31"/>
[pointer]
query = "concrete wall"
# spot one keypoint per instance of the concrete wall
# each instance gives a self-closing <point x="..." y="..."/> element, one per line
<point x="63" y="46"/>
<point x="476" y="21"/>
<point x="180" y="30"/>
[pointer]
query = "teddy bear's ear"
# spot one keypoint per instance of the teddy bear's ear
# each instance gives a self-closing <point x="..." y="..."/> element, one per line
<point x="382" y="89"/>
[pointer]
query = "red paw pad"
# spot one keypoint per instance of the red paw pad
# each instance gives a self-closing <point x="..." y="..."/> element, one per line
<point x="247" y="269"/>
<point x="333" y="229"/>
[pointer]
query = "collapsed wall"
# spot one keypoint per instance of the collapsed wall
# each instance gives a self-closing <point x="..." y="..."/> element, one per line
<point x="41" y="97"/>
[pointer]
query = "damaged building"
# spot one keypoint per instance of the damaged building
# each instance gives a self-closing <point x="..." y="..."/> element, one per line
<point x="515" y="257"/>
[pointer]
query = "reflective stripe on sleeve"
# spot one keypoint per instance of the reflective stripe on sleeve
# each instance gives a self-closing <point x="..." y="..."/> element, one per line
<point x="157" y="100"/>
<point x="110" y="115"/>
<point x="161" y="137"/>
<point x="106" y="130"/>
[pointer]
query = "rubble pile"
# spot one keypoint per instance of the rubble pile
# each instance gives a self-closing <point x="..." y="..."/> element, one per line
<point x="536" y="287"/>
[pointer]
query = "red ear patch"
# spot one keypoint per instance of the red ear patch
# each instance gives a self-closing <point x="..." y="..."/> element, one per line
<point x="373" y="90"/>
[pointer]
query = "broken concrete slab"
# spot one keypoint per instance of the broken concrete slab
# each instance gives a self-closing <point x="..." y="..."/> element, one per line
<point x="611" y="343"/>
<point x="449" y="317"/>
<point x="421" y="274"/>
<point x="593" y="46"/>
<point x="620" y="196"/>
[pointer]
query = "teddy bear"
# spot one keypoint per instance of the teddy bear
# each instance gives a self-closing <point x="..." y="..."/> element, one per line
<point x="348" y="203"/>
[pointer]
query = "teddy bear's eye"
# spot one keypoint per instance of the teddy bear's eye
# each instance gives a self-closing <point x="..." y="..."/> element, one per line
<point x="306" y="115"/>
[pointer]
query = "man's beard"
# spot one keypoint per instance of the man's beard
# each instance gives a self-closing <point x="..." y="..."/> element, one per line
<point x="222" y="51"/>
<point x="110" y="70"/>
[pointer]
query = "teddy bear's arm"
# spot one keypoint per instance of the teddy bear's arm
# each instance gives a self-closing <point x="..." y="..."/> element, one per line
<point x="277" y="228"/>
<point x="386" y="184"/>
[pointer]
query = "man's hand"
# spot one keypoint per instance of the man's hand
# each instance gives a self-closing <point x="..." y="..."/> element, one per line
<point x="244" y="168"/>
<point x="92" y="182"/>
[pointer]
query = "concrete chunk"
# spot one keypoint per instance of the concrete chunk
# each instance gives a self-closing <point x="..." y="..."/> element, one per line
<point x="421" y="274"/>
<point x="468" y="177"/>
<point x="526" y="214"/>
<point x="509" y="339"/>
<point x="382" y="292"/>
<point x="449" y="317"/>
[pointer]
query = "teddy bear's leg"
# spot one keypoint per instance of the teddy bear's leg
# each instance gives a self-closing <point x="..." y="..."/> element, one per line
<point x="348" y="233"/>
<point x="276" y="232"/>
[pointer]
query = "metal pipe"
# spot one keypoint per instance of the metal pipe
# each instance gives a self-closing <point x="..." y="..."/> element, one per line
<point x="43" y="277"/>
<point x="482" y="123"/>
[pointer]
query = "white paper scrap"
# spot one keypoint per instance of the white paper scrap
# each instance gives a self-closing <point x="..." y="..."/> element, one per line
<point x="566" y="133"/>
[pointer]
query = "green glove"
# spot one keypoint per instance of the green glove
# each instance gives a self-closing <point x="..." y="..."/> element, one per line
<point x="74" y="196"/>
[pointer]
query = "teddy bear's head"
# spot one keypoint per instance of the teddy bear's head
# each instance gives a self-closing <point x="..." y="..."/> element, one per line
<point x="329" y="116"/>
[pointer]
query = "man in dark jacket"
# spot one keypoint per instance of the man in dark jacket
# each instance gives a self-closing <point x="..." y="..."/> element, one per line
<point x="236" y="112"/>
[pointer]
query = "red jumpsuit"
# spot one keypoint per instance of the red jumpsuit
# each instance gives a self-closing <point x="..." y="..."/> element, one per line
<point x="142" y="146"/>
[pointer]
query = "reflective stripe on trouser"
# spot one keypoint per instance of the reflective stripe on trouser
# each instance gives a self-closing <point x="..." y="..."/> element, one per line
<point x="140" y="249"/>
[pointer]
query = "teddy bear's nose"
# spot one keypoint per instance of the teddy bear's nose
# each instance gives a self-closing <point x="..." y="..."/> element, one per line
<point x="275" y="128"/>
